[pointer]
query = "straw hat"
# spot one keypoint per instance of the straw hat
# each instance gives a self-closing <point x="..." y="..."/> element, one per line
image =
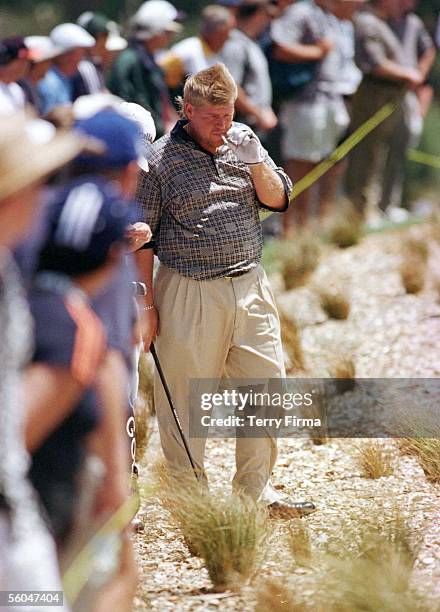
<point x="30" y="150"/>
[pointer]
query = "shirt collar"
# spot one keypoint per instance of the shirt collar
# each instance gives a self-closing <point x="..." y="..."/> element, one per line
<point x="179" y="133"/>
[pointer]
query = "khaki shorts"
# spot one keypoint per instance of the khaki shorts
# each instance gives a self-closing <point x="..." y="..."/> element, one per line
<point x="312" y="130"/>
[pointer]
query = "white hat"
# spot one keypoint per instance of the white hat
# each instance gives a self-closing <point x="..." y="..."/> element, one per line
<point x="69" y="36"/>
<point x="87" y="106"/>
<point x="115" y="42"/>
<point x="41" y="48"/>
<point x="145" y="121"/>
<point x="154" y="17"/>
<point x="142" y="116"/>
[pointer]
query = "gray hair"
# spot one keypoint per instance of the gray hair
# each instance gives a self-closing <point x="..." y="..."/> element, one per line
<point x="214" y="18"/>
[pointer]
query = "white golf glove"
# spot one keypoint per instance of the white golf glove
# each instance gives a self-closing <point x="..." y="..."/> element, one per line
<point x="245" y="144"/>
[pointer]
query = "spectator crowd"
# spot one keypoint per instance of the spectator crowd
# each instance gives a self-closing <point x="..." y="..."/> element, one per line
<point x="80" y="110"/>
<point x="308" y="73"/>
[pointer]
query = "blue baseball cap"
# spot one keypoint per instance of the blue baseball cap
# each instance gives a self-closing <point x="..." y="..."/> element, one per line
<point x="119" y="135"/>
<point x="86" y="218"/>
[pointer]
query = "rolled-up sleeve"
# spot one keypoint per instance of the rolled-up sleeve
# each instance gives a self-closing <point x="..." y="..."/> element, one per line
<point x="370" y="49"/>
<point x="287" y="29"/>
<point x="287" y="184"/>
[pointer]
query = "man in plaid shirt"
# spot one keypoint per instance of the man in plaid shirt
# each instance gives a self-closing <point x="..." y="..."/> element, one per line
<point x="207" y="181"/>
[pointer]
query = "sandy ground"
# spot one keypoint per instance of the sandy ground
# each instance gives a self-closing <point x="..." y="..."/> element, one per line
<point x="388" y="334"/>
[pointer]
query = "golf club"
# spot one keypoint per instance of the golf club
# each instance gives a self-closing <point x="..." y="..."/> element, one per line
<point x="173" y="410"/>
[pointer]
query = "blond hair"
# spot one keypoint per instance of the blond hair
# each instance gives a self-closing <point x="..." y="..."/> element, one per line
<point x="213" y="86"/>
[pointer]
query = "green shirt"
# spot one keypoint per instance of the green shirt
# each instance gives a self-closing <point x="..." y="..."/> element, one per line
<point x="136" y="77"/>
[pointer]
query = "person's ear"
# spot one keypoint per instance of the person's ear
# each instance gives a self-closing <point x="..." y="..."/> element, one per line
<point x="188" y="110"/>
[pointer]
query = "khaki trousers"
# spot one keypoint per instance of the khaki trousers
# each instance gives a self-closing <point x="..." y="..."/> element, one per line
<point x="227" y="327"/>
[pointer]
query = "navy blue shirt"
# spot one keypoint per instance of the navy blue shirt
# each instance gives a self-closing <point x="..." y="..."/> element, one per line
<point x="68" y="335"/>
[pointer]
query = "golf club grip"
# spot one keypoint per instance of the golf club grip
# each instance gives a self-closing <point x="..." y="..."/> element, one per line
<point x="173" y="410"/>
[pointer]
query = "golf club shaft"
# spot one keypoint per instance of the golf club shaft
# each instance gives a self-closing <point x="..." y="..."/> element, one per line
<point x="173" y="410"/>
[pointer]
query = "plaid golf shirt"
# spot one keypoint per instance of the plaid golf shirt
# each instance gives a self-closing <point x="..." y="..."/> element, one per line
<point x="202" y="208"/>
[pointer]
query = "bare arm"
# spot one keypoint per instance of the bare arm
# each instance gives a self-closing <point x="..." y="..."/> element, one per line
<point x="149" y="317"/>
<point x="395" y="72"/>
<point x="269" y="186"/>
<point x="302" y="53"/>
<point x="426" y="61"/>
<point x="265" y="117"/>
<point x="110" y="440"/>
<point x="51" y="393"/>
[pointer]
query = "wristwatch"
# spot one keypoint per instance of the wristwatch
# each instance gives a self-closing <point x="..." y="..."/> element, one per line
<point x="139" y="288"/>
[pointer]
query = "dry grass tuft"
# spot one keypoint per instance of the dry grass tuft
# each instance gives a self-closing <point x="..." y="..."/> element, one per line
<point x="345" y="228"/>
<point x="297" y="259"/>
<point x="415" y="253"/>
<point x="364" y="534"/>
<point x="416" y="247"/>
<point x="413" y="273"/>
<point x="327" y="365"/>
<point x="344" y="371"/>
<point x="337" y="366"/>
<point x="144" y="408"/>
<point x="379" y="581"/>
<point x="369" y="568"/>
<point x="374" y="460"/>
<point x="291" y="339"/>
<point x="273" y="596"/>
<point x="334" y="303"/>
<point x="389" y="529"/>
<point x="298" y="539"/>
<point x="373" y="571"/>
<point x="343" y="367"/>
<point x="228" y="533"/>
<point x="146" y="379"/>
<point x="427" y="452"/>
<point x="317" y="410"/>
<point x="143" y="431"/>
